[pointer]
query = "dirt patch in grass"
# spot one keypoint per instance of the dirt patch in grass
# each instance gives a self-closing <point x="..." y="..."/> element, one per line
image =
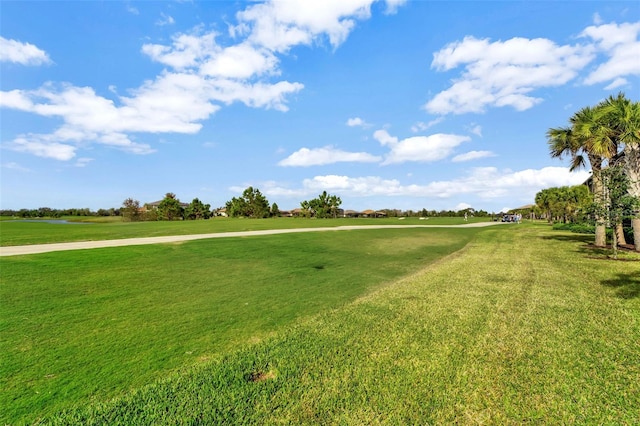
<point x="260" y="376"/>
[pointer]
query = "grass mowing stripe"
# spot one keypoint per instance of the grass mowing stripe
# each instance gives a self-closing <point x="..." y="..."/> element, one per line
<point x="88" y="325"/>
<point x="519" y="327"/>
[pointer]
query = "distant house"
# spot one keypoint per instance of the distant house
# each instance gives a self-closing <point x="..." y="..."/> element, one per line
<point x="373" y="213"/>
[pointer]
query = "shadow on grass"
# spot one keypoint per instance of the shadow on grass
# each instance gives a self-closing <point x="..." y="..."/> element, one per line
<point x="627" y="285"/>
<point x="574" y="238"/>
<point x="588" y="248"/>
<point x="586" y="243"/>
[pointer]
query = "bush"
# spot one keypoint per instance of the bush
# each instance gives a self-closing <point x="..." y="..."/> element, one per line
<point x="578" y="228"/>
<point x="585" y="228"/>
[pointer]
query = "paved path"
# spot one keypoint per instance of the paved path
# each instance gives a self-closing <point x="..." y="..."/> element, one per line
<point x="83" y="245"/>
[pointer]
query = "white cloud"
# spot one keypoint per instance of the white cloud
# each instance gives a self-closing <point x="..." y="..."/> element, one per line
<point x="200" y="78"/>
<point x="83" y="162"/>
<point x="15" y="166"/>
<point x="618" y="82"/>
<point x="187" y="50"/>
<point x="503" y="73"/>
<point x="421" y="126"/>
<point x="384" y="137"/>
<point x="165" y="20"/>
<point x="357" y="122"/>
<point x="22" y="53"/>
<point x="620" y="43"/>
<point x="354" y="186"/>
<point x="328" y="155"/>
<point x="487" y="183"/>
<point x="472" y="155"/>
<point x="241" y="61"/>
<point x="278" y="26"/>
<point x="131" y="9"/>
<point x="174" y="102"/>
<point x="393" y="5"/>
<point x="418" y="148"/>
<point x="462" y="206"/>
<point x="480" y="186"/>
<point x="476" y="130"/>
<point x="597" y="19"/>
<point x="16" y="99"/>
<point x="55" y="150"/>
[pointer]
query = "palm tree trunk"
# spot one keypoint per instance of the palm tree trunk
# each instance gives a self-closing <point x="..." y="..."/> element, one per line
<point x="622" y="240"/>
<point x="598" y="193"/>
<point x="632" y="168"/>
<point x="614" y="246"/>
<point x="635" y="223"/>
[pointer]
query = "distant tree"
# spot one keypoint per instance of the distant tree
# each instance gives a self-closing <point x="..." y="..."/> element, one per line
<point x="325" y="205"/>
<point x="197" y="210"/>
<point x="131" y="210"/>
<point x="564" y="203"/>
<point x="252" y="204"/>
<point x="170" y="208"/>
<point x="334" y="204"/>
<point x="48" y="212"/>
<point x="305" y="209"/>
<point x="275" y="210"/>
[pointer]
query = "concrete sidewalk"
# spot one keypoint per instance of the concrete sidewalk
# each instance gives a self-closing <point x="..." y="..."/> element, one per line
<point x="84" y="245"/>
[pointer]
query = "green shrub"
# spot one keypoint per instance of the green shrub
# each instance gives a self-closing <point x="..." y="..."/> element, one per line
<point x="586" y="228"/>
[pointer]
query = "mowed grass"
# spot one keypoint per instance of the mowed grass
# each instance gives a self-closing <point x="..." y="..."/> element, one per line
<point x="14" y="232"/>
<point x="91" y="325"/>
<point x="523" y="326"/>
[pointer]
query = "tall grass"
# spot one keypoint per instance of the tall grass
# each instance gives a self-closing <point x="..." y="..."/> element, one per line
<point x="523" y="326"/>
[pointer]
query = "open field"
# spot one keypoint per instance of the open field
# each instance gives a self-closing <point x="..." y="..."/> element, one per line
<point x="86" y="325"/>
<point x="14" y="233"/>
<point x="524" y="324"/>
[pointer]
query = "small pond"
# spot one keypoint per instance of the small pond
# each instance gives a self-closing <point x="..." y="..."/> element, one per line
<point x="54" y="221"/>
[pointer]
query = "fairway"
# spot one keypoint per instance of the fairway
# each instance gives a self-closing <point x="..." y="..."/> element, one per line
<point x="506" y="325"/>
<point x="84" y="245"/>
<point x="15" y="232"/>
<point x="89" y="325"/>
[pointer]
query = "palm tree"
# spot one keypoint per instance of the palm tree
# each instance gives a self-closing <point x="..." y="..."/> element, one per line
<point x="587" y="136"/>
<point x="623" y="118"/>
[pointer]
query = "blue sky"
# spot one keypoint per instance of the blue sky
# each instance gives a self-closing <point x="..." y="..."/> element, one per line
<point x="388" y="104"/>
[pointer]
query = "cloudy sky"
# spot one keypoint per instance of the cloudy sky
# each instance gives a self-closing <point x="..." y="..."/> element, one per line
<point x="388" y="104"/>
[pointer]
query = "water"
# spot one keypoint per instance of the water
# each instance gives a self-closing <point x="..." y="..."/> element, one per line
<point x="53" y="221"/>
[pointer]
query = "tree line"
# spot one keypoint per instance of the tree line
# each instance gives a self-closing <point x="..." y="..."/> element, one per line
<point x="607" y="137"/>
<point x="251" y="204"/>
<point x="55" y="213"/>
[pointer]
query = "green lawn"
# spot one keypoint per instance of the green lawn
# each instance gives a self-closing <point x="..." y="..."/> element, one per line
<point x="90" y="325"/>
<point x="13" y="232"/>
<point x="523" y="325"/>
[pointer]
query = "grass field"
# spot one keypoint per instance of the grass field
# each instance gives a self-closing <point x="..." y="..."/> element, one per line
<point x="13" y="232"/>
<point x="524" y="325"/>
<point x="86" y="325"/>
